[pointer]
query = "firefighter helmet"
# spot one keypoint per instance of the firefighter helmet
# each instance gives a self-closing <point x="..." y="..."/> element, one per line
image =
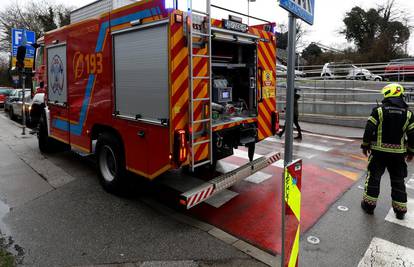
<point x="393" y="90"/>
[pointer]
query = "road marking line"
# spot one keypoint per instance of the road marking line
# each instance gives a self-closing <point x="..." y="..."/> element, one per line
<point x="330" y="137"/>
<point x="244" y="154"/>
<point x="363" y="158"/>
<point x="256" y="178"/>
<point x="384" y="253"/>
<point x="409" y="217"/>
<point x="348" y="174"/>
<point x="221" y="198"/>
<point x="410" y="183"/>
<point x="301" y="144"/>
<point x="280" y="163"/>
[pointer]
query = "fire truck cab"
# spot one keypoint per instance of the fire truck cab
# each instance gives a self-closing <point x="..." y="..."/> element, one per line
<point x="149" y="88"/>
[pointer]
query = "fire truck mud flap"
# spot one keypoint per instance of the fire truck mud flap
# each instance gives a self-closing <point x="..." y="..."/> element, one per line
<point x="205" y="191"/>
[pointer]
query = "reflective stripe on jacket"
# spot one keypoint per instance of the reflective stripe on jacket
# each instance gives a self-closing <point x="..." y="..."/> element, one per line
<point x="390" y="128"/>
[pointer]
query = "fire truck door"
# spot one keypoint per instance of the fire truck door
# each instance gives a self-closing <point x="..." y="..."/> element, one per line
<point x="57" y="92"/>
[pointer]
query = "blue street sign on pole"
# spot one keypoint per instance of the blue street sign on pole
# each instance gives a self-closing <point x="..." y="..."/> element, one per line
<point x="23" y="37"/>
<point x="303" y="9"/>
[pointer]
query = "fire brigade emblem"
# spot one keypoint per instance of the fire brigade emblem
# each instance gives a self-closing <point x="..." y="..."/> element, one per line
<point x="57" y="75"/>
<point x="78" y="65"/>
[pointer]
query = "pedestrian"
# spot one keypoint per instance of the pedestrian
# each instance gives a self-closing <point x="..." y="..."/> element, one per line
<point x="295" y="118"/>
<point x="388" y="142"/>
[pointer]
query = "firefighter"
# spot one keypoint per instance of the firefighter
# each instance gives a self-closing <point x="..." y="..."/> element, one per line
<point x="295" y="118"/>
<point x="389" y="142"/>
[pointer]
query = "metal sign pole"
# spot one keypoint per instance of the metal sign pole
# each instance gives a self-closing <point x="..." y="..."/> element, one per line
<point x="290" y="92"/>
<point x="24" y="105"/>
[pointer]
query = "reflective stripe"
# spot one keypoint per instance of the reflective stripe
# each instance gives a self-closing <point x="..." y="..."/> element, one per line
<point x="401" y="204"/>
<point x="379" y="133"/>
<point x="373" y="120"/>
<point x="368" y="175"/>
<point x="405" y="128"/>
<point x="370" y="198"/>
<point x="408" y="121"/>
<point x="389" y="150"/>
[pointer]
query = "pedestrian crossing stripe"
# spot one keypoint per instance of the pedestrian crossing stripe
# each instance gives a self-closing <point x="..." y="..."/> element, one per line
<point x="348" y="174"/>
<point x="385" y="253"/>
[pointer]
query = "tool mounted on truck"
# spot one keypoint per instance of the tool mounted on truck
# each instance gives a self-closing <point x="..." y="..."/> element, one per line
<point x="149" y="88"/>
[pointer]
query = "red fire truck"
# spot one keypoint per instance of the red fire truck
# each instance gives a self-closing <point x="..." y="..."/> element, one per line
<point x="149" y="88"/>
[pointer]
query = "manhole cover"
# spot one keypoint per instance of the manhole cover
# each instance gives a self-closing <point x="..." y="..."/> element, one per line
<point x="313" y="240"/>
<point x="343" y="208"/>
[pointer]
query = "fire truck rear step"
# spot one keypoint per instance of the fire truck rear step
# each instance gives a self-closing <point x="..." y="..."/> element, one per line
<point x="205" y="191"/>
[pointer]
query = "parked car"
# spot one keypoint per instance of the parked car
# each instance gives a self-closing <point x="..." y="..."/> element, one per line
<point x="35" y="108"/>
<point x="400" y="69"/>
<point x="281" y="72"/>
<point x="362" y="74"/>
<point x="16" y="107"/>
<point x="4" y="93"/>
<point x="13" y="96"/>
<point x="341" y="70"/>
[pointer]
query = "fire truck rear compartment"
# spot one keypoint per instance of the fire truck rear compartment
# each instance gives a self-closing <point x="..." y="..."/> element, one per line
<point x="234" y="96"/>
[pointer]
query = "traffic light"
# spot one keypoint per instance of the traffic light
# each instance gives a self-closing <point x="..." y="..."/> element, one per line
<point x="21" y="54"/>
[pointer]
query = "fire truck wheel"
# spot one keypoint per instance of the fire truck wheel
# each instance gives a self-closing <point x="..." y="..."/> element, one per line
<point x="46" y="144"/>
<point x="110" y="162"/>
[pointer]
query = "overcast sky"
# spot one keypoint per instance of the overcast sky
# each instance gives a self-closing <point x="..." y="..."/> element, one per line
<point x="328" y="15"/>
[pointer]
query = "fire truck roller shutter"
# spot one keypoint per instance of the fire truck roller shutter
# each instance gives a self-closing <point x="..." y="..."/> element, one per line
<point x="141" y="72"/>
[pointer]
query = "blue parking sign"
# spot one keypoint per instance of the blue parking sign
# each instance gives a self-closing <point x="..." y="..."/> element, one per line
<point x="21" y="37"/>
<point x="303" y="9"/>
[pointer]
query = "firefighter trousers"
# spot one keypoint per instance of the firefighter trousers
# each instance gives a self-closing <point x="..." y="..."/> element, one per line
<point x="296" y="122"/>
<point x="397" y="168"/>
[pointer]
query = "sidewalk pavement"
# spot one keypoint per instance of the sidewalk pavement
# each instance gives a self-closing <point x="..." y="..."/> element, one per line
<point x="325" y="129"/>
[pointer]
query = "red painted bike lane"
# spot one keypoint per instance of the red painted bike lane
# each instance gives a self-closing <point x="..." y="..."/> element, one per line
<point x="254" y="215"/>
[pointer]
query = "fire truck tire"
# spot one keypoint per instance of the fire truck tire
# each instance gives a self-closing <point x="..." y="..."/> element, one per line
<point x="110" y="163"/>
<point x="47" y="144"/>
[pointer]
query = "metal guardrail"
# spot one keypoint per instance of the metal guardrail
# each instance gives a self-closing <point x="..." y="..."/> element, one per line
<point x="390" y="71"/>
<point x="359" y="94"/>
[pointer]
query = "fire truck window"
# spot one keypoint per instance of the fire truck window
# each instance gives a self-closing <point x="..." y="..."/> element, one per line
<point x="56" y="71"/>
<point x="141" y="73"/>
<point x="39" y="56"/>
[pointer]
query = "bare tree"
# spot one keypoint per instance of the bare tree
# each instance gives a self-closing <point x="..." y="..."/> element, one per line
<point x="37" y="15"/>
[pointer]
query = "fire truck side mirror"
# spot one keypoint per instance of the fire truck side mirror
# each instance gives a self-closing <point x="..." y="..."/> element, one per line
<point x="21" y="54"/>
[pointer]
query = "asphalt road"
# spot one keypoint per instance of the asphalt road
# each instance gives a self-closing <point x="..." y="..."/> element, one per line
<point x="53" y="212"/>
<point x="54" y="208"/>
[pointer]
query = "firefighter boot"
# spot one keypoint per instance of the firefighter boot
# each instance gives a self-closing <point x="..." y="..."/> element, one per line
<point x="368" y="208"/>
<point x="400" y="209"/>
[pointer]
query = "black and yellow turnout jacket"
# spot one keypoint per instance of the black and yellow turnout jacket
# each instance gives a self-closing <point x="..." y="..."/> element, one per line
<point x="390" y="128"/>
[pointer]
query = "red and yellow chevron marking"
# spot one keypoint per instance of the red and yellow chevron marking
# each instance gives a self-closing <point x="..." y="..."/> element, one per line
<point x="233" y="124"/>
<point x="267" y="62"/>
<point x="180" y="86"/>
<point x="179" y="77"/>
<point x="200" y="107"/>
<point x="293" y="185"/>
